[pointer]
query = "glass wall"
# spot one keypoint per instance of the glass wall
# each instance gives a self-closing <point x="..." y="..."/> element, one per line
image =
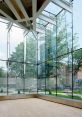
<point x="63" y="53"/>
<point x="18" y="60"/>
<point x="47" y="61"/>
<point x="3" y="57"/>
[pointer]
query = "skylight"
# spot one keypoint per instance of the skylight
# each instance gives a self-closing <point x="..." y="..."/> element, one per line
<point x="52" y="8"/>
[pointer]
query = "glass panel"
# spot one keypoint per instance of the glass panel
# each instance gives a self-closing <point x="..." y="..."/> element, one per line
<point x="3" y="41"/>
<point x="40" y="21"/>
<point x="15" y="78"/>
<point x="3" y="78"/>
<point x="77" y="20"/>
<point x="50" y="42"/>
<point x="41" y="70"/>
<point x="31" y="48"/>
<point x="41" y="78"/>
<point x="41" y="85"/>
<point x="50" y="70"/>
<point x="40" y="27"/>
<point x="50" y="15"/>
<point x="64" y="33"/>
<point x="16" y="44"/>
<point x="77" y="71"/>
<point x="64" y="76"/>
<point x="51" y="86"/>
<point x="41" y="48"/>
<point x="52" y="8"/>
<point x="30" y="78"/>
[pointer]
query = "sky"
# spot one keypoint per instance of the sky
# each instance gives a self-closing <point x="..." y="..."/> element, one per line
<point x="17" y="34"/>
<point x="77" y="17"/>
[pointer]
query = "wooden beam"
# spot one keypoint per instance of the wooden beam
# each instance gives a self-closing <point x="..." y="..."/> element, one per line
<point x="12" y="9"/>
<point x="22" y="20"/>
<point x="7" y="10"/>
<point x="7" y="16"/>
<point x="23" y="9"/>
<point x="10" y="19"/>
<point x="34" y="10"/>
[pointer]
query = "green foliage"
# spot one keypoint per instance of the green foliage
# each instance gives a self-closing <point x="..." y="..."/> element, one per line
<point x="2" y="73"/>
<point x="60" y="45"/>
<point x="77" y="58"/>
<point x="16" y="69"/>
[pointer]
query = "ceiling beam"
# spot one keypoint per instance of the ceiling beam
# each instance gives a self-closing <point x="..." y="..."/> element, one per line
<point x="34" y="10"/>
<point x="22" y="20"/>
<point x="42" y="7"/>
<point x="12" y="9"/>
<point x="22" y="9"/>
<point x="7" y="16"/>
<point x="63" y="4"/>
<point x="10" y="19"/>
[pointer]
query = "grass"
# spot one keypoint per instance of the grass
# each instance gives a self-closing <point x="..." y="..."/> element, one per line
<point x="78" y="92"/>
<point x="66" y="95"/>
<point x="61" y="93"/>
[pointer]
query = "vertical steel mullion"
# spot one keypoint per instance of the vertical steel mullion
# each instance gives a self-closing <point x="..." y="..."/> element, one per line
<point x="72" y="58"/>
<point x="45" y="60"/>
<point x="24" y="65"/>
<point x="37" y="63"/>
<point x="23" y="80"/>
<point x="8" y="36"/>
<point x="7" y="77"/>
<point x="56" y="55"/>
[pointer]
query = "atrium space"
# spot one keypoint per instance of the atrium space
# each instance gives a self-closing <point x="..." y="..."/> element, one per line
<point x="41" y="58"/>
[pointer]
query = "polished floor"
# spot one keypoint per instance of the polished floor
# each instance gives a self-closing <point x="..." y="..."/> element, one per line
<point x="36" y="108"/>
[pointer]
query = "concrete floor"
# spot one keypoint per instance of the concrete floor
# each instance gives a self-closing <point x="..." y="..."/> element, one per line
<point x="36" y="108"/>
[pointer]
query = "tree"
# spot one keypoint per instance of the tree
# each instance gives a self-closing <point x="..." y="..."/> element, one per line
<point x="60" y="45"/>
<point x="77" y="58"/>
<point x="23" y="53"/>
<point x="2" y="73"/>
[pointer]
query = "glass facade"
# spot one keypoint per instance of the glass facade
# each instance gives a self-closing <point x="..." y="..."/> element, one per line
<point x="48" y="62"/>
<point x="18" y="60"/>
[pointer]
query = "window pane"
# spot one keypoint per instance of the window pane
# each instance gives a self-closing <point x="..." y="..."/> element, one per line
<point x="16" y="44"/>
<point x="77" y="71"/>
<point x="77" y="20"/>
<point x="64" y="76"/>
<point x="31" y="48"/>
<point x="3" y="78"/>
<point x="3" y="41"/>
<point x="52" y="8"/>
<point x="64" y="33"/>
<point x="41" y="85"/>
<point x="15" y="78"/>
<point x="30" y="78"/>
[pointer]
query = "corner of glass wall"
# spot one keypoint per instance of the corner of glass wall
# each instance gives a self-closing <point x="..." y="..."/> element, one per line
<point x="30" y="67"/>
